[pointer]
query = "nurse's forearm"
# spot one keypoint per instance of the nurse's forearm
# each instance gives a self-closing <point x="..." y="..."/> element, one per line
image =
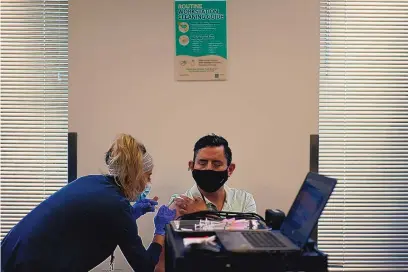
<point x="159" y="239"/>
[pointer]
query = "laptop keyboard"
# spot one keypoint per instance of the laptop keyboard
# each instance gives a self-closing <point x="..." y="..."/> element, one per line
<point x="262" y="239"/>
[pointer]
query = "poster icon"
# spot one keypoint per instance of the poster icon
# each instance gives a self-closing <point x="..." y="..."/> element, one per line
<point x="183" y="27"/>
<point x="184" y="40"/>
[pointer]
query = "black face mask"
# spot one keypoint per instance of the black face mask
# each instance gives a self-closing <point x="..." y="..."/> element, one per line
<point x="210" y="181"/>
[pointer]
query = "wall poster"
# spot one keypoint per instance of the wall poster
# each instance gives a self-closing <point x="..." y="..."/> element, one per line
<point x="201" y="40"/>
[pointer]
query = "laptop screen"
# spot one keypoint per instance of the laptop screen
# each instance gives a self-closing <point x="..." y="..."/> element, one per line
<point x="307" y="208"/>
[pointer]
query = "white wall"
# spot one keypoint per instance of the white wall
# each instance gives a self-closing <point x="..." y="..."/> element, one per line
<point x="121" y="80"/>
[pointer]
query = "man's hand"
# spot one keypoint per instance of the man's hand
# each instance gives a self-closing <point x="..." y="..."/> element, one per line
<point x="187" y="205"/>
<point x="179" y="204"/>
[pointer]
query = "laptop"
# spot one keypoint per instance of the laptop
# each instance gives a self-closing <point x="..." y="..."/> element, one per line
<point x="295" y="229"/>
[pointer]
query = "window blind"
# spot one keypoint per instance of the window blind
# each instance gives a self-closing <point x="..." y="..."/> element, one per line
<point x="363" y="128"/>
<point x="33" y="104"/>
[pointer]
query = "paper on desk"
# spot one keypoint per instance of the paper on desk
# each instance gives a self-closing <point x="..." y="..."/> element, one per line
<point x="198" y="240"/>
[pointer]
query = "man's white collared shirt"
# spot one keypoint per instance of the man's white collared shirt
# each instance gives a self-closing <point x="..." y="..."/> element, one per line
<point x="236" y="200"/>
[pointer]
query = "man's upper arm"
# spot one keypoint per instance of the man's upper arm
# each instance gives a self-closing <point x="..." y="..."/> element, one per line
<point x="250" y="205"/>
<point x="132" y="247"/>
<point x="173" y="197"/>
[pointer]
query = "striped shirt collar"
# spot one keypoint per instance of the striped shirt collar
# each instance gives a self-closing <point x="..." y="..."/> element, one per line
<point x="227" y="203"/>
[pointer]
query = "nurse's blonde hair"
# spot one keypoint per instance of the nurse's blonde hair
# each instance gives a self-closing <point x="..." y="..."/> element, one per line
<point x="125" y="162"/>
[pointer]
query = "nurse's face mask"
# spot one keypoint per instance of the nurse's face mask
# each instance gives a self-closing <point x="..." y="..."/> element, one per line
<point x="145" y="193"/>
<point x="148" y="170"/>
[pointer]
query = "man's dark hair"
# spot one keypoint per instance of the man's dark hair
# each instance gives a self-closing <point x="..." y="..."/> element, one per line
<point x="213" y="140"/>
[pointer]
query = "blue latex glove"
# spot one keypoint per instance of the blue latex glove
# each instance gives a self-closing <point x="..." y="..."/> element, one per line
<point x="143" y="206"/>
<point x="162" y="218"/>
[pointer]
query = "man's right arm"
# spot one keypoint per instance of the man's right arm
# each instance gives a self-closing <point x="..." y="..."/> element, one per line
<point x="172" y="198"/>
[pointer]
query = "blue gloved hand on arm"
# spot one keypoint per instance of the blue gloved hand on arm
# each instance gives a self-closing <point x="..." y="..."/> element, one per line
<point x="162" y="218"/>
<point x="142" y="207"/>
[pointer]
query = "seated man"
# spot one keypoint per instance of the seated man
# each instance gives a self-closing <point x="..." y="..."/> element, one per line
<point x="211" y="167"/>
